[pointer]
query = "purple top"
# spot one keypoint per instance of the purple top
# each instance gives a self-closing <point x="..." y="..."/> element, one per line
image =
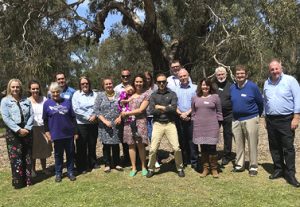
<point x="59" y="119"/>
<point x="123" y="107"/>
<point x="206" y="114"/>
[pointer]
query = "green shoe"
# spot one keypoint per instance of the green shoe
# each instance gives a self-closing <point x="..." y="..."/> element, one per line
<point x="144" y="172"/>
<point x="132" y="173"/>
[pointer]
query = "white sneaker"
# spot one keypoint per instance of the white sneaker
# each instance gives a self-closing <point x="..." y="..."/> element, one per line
<point x="157" y="165"/>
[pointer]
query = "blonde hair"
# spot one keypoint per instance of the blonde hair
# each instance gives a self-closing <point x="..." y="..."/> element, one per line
<point x="8" y="90"/>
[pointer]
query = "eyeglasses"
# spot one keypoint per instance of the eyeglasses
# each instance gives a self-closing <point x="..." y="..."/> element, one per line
<point x="125" y="76"/>
<point x="84" y="84"/>
<point x="161" y="82"/>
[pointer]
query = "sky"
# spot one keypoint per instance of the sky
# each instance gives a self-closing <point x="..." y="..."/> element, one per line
<point x="110" y="20"/>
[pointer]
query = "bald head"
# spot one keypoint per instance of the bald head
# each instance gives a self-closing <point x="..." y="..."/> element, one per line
<point x="275" y="69"/>
<point x="183" y="76"/>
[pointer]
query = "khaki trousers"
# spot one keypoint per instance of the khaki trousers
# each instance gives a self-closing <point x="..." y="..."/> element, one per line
<point x="169" y="130"/>
<point x="242" y="131"/>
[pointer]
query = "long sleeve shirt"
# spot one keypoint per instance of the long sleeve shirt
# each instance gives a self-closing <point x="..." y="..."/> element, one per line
<point x="83" y="106"/>
<point x="282" y="97"/>
<point x="167" y="99"/>
<point x="247" y="101"/>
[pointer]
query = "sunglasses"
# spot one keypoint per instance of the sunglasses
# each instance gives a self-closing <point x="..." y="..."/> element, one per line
<point x="161" y="82"/>
<point x="125" y="76"/>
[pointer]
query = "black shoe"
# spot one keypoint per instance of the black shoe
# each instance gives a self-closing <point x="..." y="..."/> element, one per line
<point x="253" y="173"/>
<point x="237" y="170"/>
<point x="292" y="180"/>
<point x="275" y="175"/>
<point x="181" y="173"/>
<point x="96" y="166"/>
<point x="225" y="161"/>
<point x="58" y="178"/>
<point x="72" y="177"/>
<point x="150" y="173"/>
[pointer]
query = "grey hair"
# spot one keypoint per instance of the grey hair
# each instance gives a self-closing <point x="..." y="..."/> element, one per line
<point x="55" y="87"/>
<point x="220" y="69"/>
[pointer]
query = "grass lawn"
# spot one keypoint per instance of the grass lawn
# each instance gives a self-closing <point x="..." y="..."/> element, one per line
<point x="166" y="189"/>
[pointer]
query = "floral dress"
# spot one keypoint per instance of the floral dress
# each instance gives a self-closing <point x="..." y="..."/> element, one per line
<point x="141" y="121"/>
<point x="109" y="109"/>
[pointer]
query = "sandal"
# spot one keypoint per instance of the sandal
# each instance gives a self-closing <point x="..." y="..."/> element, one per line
<point x="144" y="172"/>
<point x="132" y="173"/>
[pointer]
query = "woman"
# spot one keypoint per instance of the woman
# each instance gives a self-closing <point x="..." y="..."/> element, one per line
<point x="138" y="103"/>
<point x="60" y="127"/>
<point x="83" y="102"/>
<point x="106" y="109"/>
<point x="18" y="116"/>
<point x="41" y="147"/>
<point x="151" y="87"/>
<point x="206" y="115"/>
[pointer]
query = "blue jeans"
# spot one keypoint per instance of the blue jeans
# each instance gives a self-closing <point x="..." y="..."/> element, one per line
<point x="149" y="126"/>
<point x="60" y="146"/>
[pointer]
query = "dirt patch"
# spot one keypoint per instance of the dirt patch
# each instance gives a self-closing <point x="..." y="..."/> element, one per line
<point x="263" y="149"/>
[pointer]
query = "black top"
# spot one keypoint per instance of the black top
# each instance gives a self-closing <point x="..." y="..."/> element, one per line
<point x="167" y="99"/>
<point x="223" y="90"/>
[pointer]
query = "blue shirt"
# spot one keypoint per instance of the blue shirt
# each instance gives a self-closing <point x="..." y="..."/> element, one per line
<point x="185" y="94"/>
<point x="83" y="104"/>
<point x="282" y="97"/>
<point x="11" y="113"/>
<point x="174" y="82"/>
<point x="67" y="93"/>
<point x="247" y="101"/>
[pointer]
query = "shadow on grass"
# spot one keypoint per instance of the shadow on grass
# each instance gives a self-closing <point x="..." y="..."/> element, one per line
<point x="268" y="167"/>
<point x="40" y="177"/>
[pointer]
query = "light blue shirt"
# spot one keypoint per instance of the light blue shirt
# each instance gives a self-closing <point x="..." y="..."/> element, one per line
<point x="68" y="93"/>
<point x="83" y="104"/>
<point x="11" y="113"/>
<point x="185" y="94"/>
<point x="174" y="82"/>
<point x="119" y="88"/>
<point x="282" y="97"/>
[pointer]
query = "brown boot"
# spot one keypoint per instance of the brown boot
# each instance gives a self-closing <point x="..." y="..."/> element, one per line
<point x="213" y="159"/>
<point x="205" y="164"/>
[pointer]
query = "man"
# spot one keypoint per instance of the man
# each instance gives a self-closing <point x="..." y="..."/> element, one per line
<point x="163" y="104"/>
<point x="222" y="86"/>
<point x="125" y="78"/>
<point x="173" y="79"/>
<point x="185" y="91"/>
<point x="68" y="91"/>
<point x="247" y="106"/>
<point x="282" y="109"/>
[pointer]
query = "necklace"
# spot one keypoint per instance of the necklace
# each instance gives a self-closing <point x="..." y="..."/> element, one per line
<point x="110" y="95"/>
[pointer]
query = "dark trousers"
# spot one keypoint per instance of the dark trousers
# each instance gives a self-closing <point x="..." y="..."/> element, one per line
<point x="227" y="135"/>
<point x="189" y="149"/>
<point x="281" y="143"/>
<point x="86" y="146"/>
<point x="208" y="149"/>
<point x="114" y="158"/>
<point x="61" y="146"/>
<point x="19" y="153"/>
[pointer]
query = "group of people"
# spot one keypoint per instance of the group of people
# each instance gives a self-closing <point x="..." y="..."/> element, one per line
<point x="140" y="113"/>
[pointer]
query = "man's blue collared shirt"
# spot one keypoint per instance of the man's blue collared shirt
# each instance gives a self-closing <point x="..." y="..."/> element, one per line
<point x="185" y="94"/>
<point x="282" y="97"/>
<point x="67" y="93"/>
<point x="83" y="106"/>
